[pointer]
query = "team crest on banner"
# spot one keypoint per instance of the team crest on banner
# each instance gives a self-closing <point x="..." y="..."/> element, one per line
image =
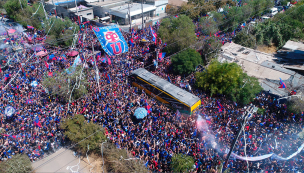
<point x="111" y="40"/>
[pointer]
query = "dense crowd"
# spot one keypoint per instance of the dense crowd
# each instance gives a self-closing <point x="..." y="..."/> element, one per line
<point x="34" y="127"/>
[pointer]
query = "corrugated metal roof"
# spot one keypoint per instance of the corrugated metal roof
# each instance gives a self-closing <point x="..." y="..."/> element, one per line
<point x="164" y="85"/>
<point x="277" y="67"/>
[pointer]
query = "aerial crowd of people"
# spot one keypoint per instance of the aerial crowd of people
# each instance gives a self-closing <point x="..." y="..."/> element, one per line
<point x="34" y="128"/>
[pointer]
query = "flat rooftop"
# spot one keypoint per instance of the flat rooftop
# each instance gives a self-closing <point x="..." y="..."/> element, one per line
<point x="264" y="67"/>
<point x="80" y="8"/>
<point x="293" y="45"/>
<point x="106" y="3"/>
<point x="135" y="8"/>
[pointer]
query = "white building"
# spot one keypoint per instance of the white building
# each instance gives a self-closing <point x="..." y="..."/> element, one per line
<point x="118" y="12"/>
<point x="83" y="11"/>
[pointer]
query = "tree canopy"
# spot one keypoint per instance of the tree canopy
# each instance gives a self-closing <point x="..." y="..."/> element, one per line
<point x="66" y="85"/>
<point x="208" y="48"/>
<point x="61" y="31"/>
<point x="117" y="160"/>
<point x="20" y="163"/>
<point x="57" y="29"/>
<point x="278" y="30"/>
<point x="228" y="79"/>
<point x="186" y="61"/>
<point x="77" y="129"/>
<point x="295" y="105"/>
<point x="178" y="33"/>
<point x="182" y="163"/>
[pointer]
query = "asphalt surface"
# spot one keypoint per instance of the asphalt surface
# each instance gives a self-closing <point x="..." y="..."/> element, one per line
<point x="62" y="161"/>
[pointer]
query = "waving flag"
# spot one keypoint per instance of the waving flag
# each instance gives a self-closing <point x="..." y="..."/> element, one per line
<point x="154" y="35"/>
<point x="63" y="57"/>
<point x="144" y="52"/>
<point x="37" y="123"/>
<point x="52" y="57"/>
<point x="148" y="108"/>
<point x="46" y="64"/>
<point x="131" y="42"/>
<point x="283" y="85"/>
<point x="161" y="56"/>
<point x="98" y="56"/>
<point x="220" y="107"/>
<point x="109" y="60"/>
<point x="111" y="40"/>
<point x="30" y="27"/>
<point x="108" y="79"/>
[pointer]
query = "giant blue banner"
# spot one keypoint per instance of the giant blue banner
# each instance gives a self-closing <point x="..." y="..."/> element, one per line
<point x="111" y="40"/>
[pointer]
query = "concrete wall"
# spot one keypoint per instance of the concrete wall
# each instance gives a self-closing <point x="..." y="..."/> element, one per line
<point x="161" y="2"/>
<point x="87" y="14"/>
<point x="160" y="9"/>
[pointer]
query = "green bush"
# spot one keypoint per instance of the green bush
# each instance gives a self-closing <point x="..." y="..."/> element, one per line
<point x="66" y="86"/>
<point x="182" y="163"/>
<point x="295" y="105"/>
<point x="186" y="61"/>
<point x="119" y="160"/>
<point x="85" y="134"/>
<point x="17" y="164"/>
<point x="261" y="111"/>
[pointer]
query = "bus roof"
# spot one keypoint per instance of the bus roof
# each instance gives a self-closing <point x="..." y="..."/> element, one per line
<point x="180" y="94"/>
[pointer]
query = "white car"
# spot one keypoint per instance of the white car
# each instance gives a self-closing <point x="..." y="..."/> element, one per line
<point x="265" y="18"/>
<point x="273" y="11"/>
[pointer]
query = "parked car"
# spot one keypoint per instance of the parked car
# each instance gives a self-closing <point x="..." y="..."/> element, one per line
<point x="265" y="18"/>
<point x="280" y="8"/>
<point x="272" y="12"/>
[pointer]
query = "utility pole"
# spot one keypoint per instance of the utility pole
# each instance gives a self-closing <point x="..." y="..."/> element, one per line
<point x="77" y="10"/>
<point x="250" y="110"/>
<point x="142" y="12"/>
<point x="97" y="72"/>
<point x="130" y="16"/>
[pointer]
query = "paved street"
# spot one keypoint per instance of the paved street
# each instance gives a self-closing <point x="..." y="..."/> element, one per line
<point x="61" y="161"/>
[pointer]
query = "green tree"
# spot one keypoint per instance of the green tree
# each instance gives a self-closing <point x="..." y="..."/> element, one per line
<point x="65" y="85"/>
<point x="281" y="28"/>
<point x="261" y="111"/>
<point x="178" y="33"/>
<point x="182" y="163"/>
<point x="245" y="39"/>
<point x="78" y="130"/>
<point x="228" y="79"/>
<point x="19" y="163"/>
<point x="57" y="29"/>
<point x="190" y="10"/>
<point x="186" y="61"/>
<point x="209" y="25"/>
<point x="24" y="15"/>
<point x="119" y="160"/>
<point x="295" y="105"/>
<point x="209" y="48"/>
<point x="60" y="31"/>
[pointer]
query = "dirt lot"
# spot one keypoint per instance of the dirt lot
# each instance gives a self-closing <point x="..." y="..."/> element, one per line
<point x="267" y="49"/>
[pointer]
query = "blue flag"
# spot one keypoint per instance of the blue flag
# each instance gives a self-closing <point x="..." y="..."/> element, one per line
<point x="111" y="40"/>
